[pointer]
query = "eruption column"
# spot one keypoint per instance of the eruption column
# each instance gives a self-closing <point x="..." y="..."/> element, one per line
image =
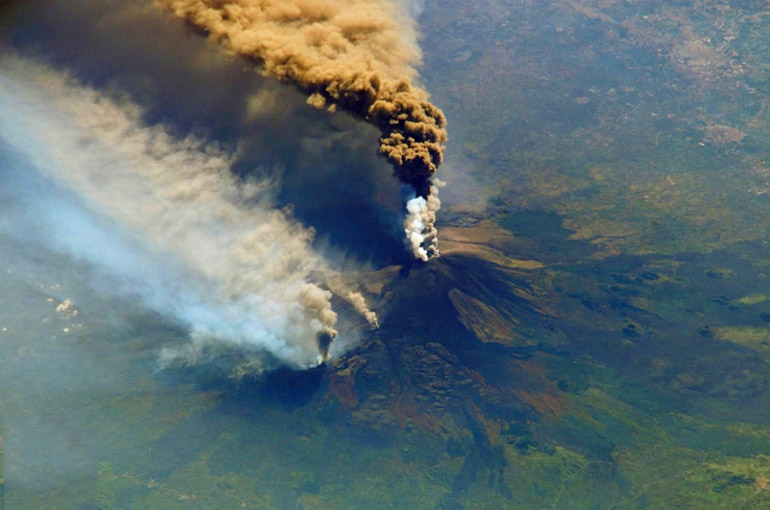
<point x="358" y="55"/>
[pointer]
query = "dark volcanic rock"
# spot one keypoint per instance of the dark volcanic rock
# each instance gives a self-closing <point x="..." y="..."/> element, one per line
<point x="425" y="368"/>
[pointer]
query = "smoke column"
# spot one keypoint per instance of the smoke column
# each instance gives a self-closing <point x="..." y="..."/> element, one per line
<point x="357" y="55"/>
<point x="164" y="219"/>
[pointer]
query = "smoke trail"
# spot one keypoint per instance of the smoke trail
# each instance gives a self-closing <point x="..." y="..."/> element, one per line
<point x="358" y="55"/>
<point x="338" y="286"/>
<point x="166" y="219"/>
<point x="359" y="303"/>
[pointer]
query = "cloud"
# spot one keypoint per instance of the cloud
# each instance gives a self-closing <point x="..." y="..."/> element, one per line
<point x="163" y="216"/>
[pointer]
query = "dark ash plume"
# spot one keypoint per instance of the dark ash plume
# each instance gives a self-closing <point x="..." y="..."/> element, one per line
<point x="357" y="55"/>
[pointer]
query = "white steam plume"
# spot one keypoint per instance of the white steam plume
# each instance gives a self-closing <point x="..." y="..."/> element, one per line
<point x="166" y="219"/>
<point x="419" y="225"/>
